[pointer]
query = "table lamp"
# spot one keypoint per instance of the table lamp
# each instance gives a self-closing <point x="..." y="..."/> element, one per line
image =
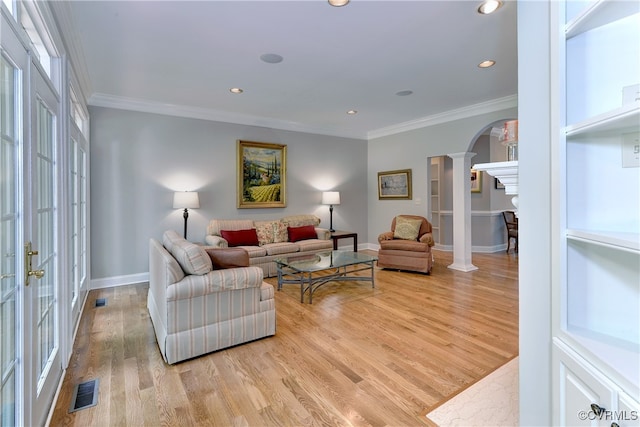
<point x="331" y="198"/>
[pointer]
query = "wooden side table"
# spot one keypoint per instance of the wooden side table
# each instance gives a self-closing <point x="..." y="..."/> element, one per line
<point x="339" y="234"/>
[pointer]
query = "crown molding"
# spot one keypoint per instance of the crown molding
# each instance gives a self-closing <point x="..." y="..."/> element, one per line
<point x="123" y="103"/>
<point x="447" y="116"/>
<point x="132" y="104"/>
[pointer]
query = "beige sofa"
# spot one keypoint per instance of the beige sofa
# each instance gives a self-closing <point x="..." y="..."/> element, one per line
<point x="195" y="309"/>
<point x="273" y="238"/>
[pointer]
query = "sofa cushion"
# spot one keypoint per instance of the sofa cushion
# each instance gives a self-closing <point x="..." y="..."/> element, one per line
<point x="271" y="232"/>
<point x="281" y="248"/>
<point x="255" y="251"/>
<point x="240" y="237"/>
<point x="192" y="258"/>
<point x="314" y="245"/>
<point x="302" y="233"/>
<point x="404" y="245"/>
<point x="407" y="228"/>
<point x="222" y="258"/>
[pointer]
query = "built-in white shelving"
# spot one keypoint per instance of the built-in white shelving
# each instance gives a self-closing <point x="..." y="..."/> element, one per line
<point x="597" y="281"/>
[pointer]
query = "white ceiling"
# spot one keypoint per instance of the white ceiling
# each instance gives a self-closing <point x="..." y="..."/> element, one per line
<point x="184" y="56"/>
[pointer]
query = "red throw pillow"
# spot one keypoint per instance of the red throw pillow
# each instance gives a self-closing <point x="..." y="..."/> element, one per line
<point x="240" y="237"/>
<point x="302" y="233"/>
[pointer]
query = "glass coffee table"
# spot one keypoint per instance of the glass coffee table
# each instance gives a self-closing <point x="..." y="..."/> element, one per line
<point x="311" y="271"/>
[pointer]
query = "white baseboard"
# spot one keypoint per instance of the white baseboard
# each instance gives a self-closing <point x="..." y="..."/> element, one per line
<point x="489" y="249"/>
<point x="111" y="282"/>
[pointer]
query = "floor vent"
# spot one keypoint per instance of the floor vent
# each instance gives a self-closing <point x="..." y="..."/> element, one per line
<point x="85" y="396"/>
<point x="101" y="302"/>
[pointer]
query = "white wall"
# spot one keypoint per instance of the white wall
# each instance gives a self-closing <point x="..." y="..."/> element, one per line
<point x="139" y="159"/>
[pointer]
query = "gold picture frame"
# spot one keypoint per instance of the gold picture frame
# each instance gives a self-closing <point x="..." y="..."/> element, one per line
<point x="476" y="181"/>
<point x="262" y="175"/>
<point x="394" y="185"/>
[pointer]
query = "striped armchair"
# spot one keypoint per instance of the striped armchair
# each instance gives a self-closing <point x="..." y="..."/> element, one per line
<point x="196" y="310"/>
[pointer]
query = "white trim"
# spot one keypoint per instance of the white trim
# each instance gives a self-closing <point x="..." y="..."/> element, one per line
<point x="510" y="101"/>
<point x="144" y="106"/>
<point x="112" y="282"/>
<point x="489" y="249"/>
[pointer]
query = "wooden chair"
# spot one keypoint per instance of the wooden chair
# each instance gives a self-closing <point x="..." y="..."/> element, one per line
<point x="511" y="222"/>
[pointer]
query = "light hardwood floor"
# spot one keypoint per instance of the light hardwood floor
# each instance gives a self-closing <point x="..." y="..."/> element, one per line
<point x="357" y="356"/>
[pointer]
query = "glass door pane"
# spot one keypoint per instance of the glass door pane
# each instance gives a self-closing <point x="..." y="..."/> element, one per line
<point x="8" y="241"/>
<point x="45" y="214"/>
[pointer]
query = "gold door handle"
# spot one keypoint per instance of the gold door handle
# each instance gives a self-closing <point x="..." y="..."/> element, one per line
<point x="28" y="273"/>
<point x="37" y="273"/>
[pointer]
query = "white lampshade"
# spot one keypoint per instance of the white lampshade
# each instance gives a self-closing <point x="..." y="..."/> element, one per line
<point x="186" y="200"/>
<point x="330" y="197"/>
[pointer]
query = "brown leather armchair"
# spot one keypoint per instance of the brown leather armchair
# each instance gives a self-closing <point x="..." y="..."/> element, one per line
<point x="403" y="254"/>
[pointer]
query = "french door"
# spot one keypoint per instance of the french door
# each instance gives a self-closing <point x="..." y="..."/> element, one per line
<point x="31" y="364"/>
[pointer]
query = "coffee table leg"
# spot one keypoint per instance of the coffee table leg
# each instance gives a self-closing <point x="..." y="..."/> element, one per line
<point x="373" y="285"/>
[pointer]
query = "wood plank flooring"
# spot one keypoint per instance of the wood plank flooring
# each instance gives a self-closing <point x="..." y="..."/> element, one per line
<point x="357" y="357"/>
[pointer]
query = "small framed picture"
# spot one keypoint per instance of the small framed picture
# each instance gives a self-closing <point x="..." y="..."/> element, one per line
<point x="394" y="185"/>
<point x="497" y="184"/>
<point x="476" y="181"/>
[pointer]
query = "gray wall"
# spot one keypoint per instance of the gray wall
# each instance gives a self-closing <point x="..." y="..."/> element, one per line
<point x="412" y="150"/>
<point x="138" y="160"/>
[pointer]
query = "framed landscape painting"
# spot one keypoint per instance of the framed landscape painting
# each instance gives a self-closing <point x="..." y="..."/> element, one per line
<point x="262" y="171"/>
<point x="394" y="185"/>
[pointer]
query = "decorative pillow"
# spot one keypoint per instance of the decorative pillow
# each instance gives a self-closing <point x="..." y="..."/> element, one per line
<point x="222" y="258"/>
<point x="281" y="234"/>
<point x="192" y="258"/>
<point x="302" y="233"/>
<point x="407" y="228"/>
<point x="240" y="237"/>
<point x="265" y="231"/>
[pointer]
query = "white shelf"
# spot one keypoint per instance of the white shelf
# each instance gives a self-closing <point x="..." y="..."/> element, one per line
<point x="621" y="359"/>
<point x="620" y="119"/>
<point x="612" y="239"/>
<point x="600" y="13"/>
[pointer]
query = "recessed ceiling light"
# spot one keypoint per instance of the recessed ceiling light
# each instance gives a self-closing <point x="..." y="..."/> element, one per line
<point x="487" y="63"/>
<point x="235" y="90"/>
<point x="271" y="58"/>
<point x="338" y="3"/>
<point x="352" y="112"/>
<point x="489" y="6"/>
<point x="404" y="93"/>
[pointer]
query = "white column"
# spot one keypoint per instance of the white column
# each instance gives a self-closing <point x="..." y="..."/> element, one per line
<point x="462" y="212"/>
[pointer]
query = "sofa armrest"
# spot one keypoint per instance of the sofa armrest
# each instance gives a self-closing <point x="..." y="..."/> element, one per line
<point x="427" y="238"/>
<point x="323" y="233"/>
<point x="216" y="241"/>
<point x="193" y="286"/>
<point x="387" y="235"/>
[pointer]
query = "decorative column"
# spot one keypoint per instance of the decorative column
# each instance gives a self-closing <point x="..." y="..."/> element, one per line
<point x="462" y="212"/>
